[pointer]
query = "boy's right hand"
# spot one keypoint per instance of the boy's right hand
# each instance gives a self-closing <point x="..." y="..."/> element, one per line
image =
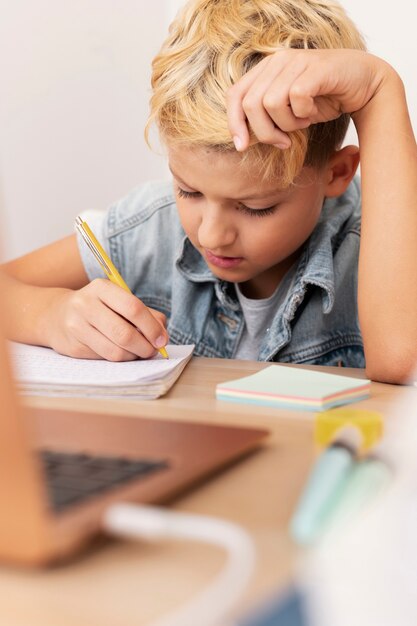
<point x="102" y="321"/>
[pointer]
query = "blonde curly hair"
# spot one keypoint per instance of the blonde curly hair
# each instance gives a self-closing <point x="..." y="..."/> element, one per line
<point x="211" y="44"/>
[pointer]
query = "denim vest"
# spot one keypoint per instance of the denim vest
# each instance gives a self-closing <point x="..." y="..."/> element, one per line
<point x="317" y="320"/>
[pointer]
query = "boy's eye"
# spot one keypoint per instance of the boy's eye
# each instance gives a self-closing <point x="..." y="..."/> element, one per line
<point x="257" y="212"/>
<point x="187" y="194"/>
<point x="241" y="207"/>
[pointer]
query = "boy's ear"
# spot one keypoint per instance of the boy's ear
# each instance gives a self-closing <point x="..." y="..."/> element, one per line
<point x="341" y="169"/>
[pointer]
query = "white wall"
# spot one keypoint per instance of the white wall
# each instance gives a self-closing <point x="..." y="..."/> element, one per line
<point x="75" y="89"/>
<point x="74" y="97"/>
<point x="389" y="31"/>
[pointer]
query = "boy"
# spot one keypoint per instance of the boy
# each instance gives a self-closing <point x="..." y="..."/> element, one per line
<point x="256" y="254"/>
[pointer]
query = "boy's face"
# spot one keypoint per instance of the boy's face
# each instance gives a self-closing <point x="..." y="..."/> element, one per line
<point x="247" y="230"/>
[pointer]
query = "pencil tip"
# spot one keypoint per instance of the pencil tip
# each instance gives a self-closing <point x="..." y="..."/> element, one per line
<point x="163" y="353"/>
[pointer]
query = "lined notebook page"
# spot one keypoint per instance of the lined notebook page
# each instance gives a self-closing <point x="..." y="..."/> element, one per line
<point x="36" y="365"/>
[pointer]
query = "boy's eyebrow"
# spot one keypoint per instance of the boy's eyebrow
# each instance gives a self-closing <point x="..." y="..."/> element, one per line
<point x="274" y="192"/>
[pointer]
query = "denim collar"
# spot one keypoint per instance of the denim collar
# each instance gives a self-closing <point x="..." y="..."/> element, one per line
<point x="314" y="267"/>
<point x="193" y="267"/>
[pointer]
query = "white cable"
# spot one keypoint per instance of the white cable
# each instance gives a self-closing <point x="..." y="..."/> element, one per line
<point x="211" y="606"/>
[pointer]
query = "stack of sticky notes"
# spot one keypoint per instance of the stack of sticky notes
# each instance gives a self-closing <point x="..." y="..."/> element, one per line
<point x="294" y="388"/>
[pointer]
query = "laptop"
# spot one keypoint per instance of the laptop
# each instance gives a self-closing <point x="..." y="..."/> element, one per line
<point x="60" y="470"/>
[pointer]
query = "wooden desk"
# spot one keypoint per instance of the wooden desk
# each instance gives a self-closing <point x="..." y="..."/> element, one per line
<point x="125" y="584"/>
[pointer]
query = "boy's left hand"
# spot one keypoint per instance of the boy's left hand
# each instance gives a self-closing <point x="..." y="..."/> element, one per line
<point x="291" y="89"/>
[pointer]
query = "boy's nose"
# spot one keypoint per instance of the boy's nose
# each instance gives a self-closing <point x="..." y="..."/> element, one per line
<point x="216" y="230"/>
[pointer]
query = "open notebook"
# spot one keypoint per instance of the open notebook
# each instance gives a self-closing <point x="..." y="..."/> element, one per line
<point x="41" y="371"/>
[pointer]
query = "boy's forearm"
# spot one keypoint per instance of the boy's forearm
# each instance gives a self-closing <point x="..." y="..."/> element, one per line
<point x="388" y="255"/>
<point x="25" y="310"/>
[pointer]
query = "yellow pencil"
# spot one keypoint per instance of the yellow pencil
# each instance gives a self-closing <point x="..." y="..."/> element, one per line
<point x="104" y="261"/>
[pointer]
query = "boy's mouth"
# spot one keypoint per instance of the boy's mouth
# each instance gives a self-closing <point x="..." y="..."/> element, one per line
<point x="223" y="261"/>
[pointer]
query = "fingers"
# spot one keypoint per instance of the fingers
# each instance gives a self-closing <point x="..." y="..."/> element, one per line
<point x="161" y="317"/>
<point x="262" y="122"/>
<point x="277" y="97"/>
<point x="249" y="102"/>
<point x="92" y="344"/>
<point x="76" y="349"/>
<point x="114" y="338"/>
<point x="285" y="102"/>
<point x="266" y="103"/>
<point x="147" y="332"/>
<point x="102" y="320"/>
<point x="236" y="115"/>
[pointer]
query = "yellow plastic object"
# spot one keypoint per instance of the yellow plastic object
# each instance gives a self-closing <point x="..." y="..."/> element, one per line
<point x="328" y="423"/>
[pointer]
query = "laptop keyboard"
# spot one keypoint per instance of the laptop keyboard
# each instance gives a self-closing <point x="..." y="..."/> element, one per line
<point x="72" y="478"/>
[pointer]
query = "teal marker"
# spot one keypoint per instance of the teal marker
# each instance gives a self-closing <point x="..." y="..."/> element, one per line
<point x="327" y="479"/>
<point x="367" y="480"/>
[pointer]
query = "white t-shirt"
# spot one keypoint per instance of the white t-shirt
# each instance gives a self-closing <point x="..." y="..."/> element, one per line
<point x="258" y="315"/>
